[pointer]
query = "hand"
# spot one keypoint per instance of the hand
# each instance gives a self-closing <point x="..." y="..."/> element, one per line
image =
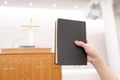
<point x="92" y="52"/>
<point x="95" y="58"/>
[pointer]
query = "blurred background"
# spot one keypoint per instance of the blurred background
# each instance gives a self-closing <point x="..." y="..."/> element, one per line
<point x="102" y="25"/>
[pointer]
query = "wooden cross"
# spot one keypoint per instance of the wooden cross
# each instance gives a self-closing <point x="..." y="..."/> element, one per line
<point x="31" y="27"/>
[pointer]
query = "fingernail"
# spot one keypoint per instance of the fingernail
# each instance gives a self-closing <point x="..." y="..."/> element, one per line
<point x="76" y="41"/>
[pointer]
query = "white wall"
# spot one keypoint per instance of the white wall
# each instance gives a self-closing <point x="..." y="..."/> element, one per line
<point x="12" y="34"/>
<point x="83" y="74"/>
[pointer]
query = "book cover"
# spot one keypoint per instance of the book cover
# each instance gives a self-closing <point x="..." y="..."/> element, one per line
<point x="66" y="52"/>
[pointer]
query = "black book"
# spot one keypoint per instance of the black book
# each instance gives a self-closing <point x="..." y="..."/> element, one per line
<point x="66" y="52"/>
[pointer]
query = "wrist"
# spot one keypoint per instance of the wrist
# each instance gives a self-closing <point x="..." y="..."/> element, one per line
<point x="98" y="61"/>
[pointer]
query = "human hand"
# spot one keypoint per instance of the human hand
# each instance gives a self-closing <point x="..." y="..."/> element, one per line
<point x="92" y="52"/>
<point x="95" y="58"/>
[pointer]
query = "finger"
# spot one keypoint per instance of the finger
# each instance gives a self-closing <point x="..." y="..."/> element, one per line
<point x="80" y="43"/>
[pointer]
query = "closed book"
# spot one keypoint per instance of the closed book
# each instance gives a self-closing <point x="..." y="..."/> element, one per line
<point x="66" y="32"/>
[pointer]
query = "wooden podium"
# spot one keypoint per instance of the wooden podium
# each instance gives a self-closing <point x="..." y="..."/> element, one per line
<point x="28" y="64"/>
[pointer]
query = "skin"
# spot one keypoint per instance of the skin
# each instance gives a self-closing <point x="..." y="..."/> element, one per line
<point x="97" y="61"/>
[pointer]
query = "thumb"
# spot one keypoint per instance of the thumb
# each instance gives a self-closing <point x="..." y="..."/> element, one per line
<point x="80" y="43"/>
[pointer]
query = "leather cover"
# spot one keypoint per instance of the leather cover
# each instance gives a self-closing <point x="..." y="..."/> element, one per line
<point x="66" y="52"/>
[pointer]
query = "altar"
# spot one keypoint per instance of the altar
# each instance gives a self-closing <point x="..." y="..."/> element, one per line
<point x="28" y="64"/>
